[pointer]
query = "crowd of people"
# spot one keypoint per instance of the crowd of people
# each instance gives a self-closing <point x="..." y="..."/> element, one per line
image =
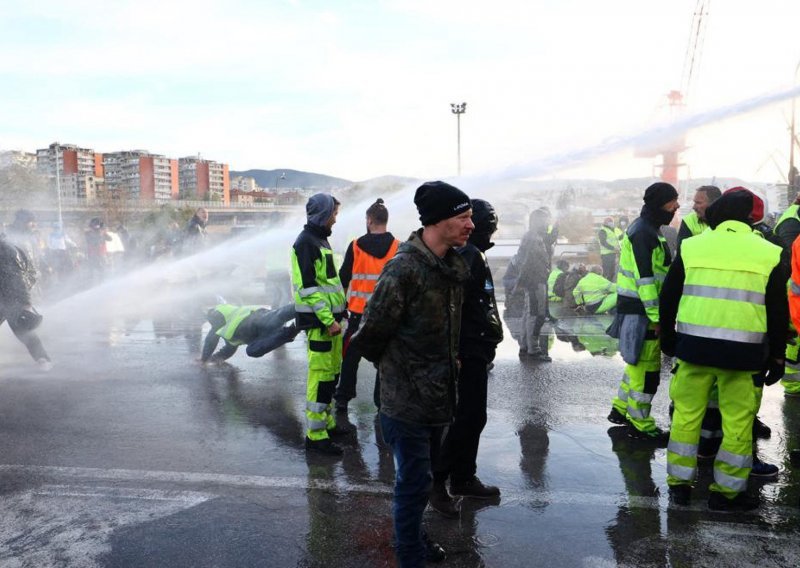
<point x="35" y="267"/>
<point x="716" y="309"/>
<point x="423" y="311"/>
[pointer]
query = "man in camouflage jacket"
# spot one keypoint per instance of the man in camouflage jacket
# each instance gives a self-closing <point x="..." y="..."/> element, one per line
<point x="410" y="329"/>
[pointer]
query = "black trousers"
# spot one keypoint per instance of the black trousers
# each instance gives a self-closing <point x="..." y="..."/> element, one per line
<point x="459" y="452"/>
<point x="348" y="379"/>
<point x="609" y="262"/>
<point x="29" y="339"/>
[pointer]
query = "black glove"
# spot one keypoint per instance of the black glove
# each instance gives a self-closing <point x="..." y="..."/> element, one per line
<point x="774" y="372"/>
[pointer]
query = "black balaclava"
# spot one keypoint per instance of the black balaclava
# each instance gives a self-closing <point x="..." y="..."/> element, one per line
<point x="655" y="196"/>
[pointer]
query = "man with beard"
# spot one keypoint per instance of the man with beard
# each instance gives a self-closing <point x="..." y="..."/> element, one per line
<point x="481" y="332"/>
<point x="410" y="329"/>
<point x="643" y="264"/>
<point x="695" y="222"/>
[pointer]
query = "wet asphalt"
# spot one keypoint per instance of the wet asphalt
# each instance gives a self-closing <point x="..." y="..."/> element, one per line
<point x="130" y="453"/>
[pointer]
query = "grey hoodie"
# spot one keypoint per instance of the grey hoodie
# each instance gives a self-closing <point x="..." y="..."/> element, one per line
<point x="320" y="208"/>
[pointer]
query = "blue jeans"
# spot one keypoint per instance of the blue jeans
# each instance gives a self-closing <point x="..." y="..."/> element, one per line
<point x="411" y="445"/>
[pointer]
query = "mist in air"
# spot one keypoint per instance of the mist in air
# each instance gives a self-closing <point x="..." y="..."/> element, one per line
<point x="235" y="269"/>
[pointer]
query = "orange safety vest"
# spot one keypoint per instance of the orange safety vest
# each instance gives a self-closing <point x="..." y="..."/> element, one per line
<point x="794" y="285"/>
<point x="366" y="270"/>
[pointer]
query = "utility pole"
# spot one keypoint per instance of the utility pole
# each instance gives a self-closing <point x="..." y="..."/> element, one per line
<point x="458" y="110"/>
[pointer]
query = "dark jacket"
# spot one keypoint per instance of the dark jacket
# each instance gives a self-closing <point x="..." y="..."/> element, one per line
<point x="643" y="234"/>
<point x="17" y="277"/>
<point x="411" y="329"/>
<point x="533" y="259"/>
<point x="481" y="329"/>
<point x="307" y="249"/>
<point x="376" y="245"/>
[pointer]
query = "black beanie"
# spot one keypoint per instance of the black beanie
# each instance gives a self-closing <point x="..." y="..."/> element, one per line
<point x="658" y="194"/>
<point x="437" y="200"/>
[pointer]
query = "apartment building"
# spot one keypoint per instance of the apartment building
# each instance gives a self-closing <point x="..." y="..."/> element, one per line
<point x="138" y="174"/>
<point x="70" y="166"/>
<point x="204" y="180"/>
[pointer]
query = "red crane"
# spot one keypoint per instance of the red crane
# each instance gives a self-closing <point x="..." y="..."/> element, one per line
<point x="670" y="150"/>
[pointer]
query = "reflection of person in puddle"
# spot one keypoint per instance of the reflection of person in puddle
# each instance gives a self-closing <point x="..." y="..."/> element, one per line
<point x="637" y="528"/>
<point x="262" y="330"/>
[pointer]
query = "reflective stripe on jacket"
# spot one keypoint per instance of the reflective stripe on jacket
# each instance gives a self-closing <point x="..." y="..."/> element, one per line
<point x="234" y="316"/>
<point x="630" y="283"/>
<point x="794" y="285"/>
<point x="724" y="291"/>
<point x="366" y="270"/>
<point x="321" y="302"/>
<point x="592" y="289"/>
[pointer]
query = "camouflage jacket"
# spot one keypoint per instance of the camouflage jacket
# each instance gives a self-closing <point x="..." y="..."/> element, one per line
<point x="410" y="329"/>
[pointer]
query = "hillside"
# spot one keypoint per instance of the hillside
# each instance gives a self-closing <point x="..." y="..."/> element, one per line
<point x="293" y="178"/>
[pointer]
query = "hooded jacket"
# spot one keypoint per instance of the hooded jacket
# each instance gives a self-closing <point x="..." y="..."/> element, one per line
<point x="481" y="330"/>
<point x="410" y="329"/>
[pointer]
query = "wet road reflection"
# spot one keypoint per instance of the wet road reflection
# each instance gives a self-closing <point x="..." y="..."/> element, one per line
<point x="139" y="409"/>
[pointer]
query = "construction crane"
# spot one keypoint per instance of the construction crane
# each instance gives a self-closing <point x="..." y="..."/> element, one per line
<point x="670" y="150"/>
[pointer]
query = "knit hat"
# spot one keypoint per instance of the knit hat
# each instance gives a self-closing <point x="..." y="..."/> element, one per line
<point x="736" y="204"/>
<point x="437" y="201"/>
<point x="658" y="194"/>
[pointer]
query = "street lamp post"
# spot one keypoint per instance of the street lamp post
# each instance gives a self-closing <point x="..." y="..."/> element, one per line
<point x="277" y="179"/>
<point x="458" y="109"/>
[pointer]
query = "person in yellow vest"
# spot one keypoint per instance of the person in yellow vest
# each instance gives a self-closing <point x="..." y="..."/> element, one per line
<point x="363" y="263"/>
<point x="609" y="247"/>
<point x="319" y="304"/>
<point x="787" y="229"/>
<point x="554" y="291"/>
<point x="262" y="330"/>
<point x="695" y="222"/>
<point x="724" y="315"/>
<point x="595" y="294"/>
<point x="643" y="263"/>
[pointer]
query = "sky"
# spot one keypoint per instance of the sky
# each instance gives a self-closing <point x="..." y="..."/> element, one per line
<point x="361" y="89"/>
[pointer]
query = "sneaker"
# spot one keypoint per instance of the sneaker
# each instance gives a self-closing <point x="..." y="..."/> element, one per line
<point x="657" y="436"/>
<point x="323" y="447"/>
<point x="441" y="502"/>
<point x="763" y="470"/>
<point x="680" y="494"/>
<point x="761" y="430"/>
<point x="616" y="417"/>
<point x="434" y="553"/>
<point x="44" y="364"/>
<point x="742" y="502"/>
<point x="474" y="488"/>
